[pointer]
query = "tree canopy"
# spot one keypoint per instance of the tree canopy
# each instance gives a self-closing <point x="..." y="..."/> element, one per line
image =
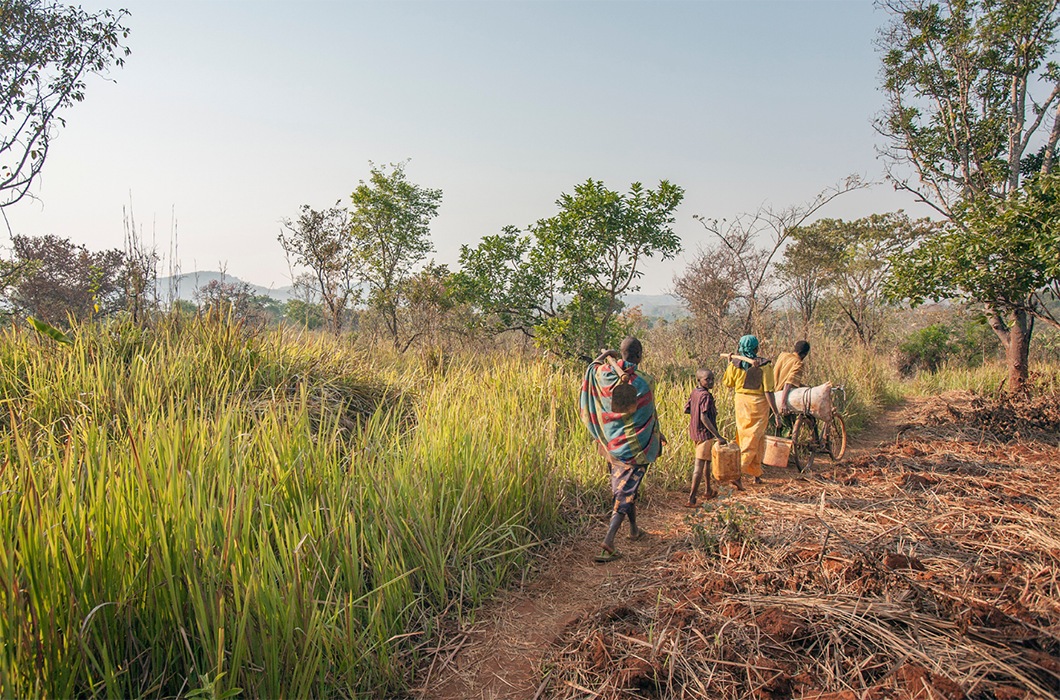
<point x="47" y="50"/>
<point x="969" y="86"/>
<point x="562" y="280"/>
<point x="390" y="230"/>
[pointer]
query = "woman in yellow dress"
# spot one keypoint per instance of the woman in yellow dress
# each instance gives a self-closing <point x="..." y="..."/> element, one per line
<point x="753" y="400"/>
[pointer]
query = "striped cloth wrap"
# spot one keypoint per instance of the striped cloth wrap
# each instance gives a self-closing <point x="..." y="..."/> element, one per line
<point x="633" y="438"/>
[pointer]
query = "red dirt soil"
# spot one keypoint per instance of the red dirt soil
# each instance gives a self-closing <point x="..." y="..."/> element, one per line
<point x="574" y="611"/>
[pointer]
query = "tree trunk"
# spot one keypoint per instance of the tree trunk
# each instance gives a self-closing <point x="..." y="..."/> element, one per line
<point x="1015" y="336"/>
<point x="1018" y="350"/>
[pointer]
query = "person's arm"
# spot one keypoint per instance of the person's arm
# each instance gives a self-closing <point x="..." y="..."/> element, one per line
<point x="788" y="386"/>
<point x="688" y="406"/>
<point x="772" y="404"/>
<point x="707" y="421"/>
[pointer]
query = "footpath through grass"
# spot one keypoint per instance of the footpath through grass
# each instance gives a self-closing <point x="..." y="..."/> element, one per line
<point x="191" y="510"/>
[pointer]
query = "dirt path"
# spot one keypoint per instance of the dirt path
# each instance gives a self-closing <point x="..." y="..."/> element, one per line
<point x="499" y="656"/>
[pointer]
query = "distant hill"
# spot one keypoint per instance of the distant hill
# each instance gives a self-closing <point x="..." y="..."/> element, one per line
<point x="658" y="305"/>
<point x="183" y="287"/>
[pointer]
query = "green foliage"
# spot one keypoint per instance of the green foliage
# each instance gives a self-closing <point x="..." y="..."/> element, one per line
<point x="716" y="522"/>
<point x="308" y="315"/>
<point x="561" y="282"/>
<point x="47" y="50"/>
<point x="188" y="501"/>
<point x="49" y="331"/>
<point x="389" y="228"/>
<point x="320" y="241"/>
<point x="1007" y="256"/>
<point x="926" y="349"/>
<point x="848" y="262"/>
<point x="960" y="77"/>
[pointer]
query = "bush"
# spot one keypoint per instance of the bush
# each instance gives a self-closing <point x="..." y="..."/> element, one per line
<point x="926" y="349"/>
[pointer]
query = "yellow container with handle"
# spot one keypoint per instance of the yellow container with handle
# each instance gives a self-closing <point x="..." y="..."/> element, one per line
<point x="725" y="461"/>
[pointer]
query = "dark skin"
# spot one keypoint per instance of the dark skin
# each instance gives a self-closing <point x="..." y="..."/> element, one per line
<point x="705" y="380"/>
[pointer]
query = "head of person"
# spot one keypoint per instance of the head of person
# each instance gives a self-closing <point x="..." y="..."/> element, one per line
<point x="631" y="349"/>
<point x="748" y="346"/>
<point x="802" y="349"/>
<point x="705" y="378"/>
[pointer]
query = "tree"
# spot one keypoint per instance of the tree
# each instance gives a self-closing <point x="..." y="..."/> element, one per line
<point x="600" y="238"/>
<point x="430" y="297"/>
<point x="562" y="280"/>
<point x="1006" y="258"/>
<point x="390" y="234"/>
<point x="806" y="271"/>
<point x="969" y="86"/>
<point x="509" y="278"/>
<point x="741" y="254"/>
<point x="47" y="50"/>
<point x="234" y="301"/>
<point x="850" y="261"/>
<point x="63" y="280"/>
<point x="320" y="241"/>
<point x="709" y="288"/>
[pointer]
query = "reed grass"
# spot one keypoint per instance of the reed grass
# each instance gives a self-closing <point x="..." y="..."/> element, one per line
<point x="197" y="511"/>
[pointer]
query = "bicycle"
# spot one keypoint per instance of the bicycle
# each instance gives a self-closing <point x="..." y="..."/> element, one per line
<point x="809" y="437"/>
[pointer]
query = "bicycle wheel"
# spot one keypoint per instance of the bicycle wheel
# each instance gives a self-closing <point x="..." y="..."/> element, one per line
<point x="803" y="442"/>
<point x="836" y="441"/>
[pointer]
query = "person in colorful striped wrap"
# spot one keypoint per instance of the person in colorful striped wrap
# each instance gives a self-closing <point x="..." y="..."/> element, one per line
<point x="629" y="437"/>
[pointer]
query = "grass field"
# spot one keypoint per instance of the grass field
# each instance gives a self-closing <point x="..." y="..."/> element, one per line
<point x="192" y="510"/>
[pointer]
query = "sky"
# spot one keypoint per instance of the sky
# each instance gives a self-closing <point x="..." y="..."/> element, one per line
<point x="228" y="116"/>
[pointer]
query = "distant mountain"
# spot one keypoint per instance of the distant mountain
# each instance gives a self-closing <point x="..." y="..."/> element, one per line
<point x="658" y="305"/>
<point x="183" y="286"/>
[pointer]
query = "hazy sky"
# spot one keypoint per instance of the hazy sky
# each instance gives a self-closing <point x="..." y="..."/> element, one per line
<point x="230" y="115"/>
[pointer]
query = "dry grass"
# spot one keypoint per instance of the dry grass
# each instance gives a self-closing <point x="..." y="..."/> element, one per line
<point x="927" y="568"/>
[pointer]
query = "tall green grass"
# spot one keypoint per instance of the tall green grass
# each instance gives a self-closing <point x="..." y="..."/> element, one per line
<point x="194" y="511"/>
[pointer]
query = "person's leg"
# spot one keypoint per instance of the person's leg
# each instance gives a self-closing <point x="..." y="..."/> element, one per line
<point x="634" y="531"/>
<point x="612" y="530"/>
<point x="710" y="493"/>
<point x="697" y="475"/>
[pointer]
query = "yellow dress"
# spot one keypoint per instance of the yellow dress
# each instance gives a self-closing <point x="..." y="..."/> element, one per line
<point x="752" y="412"/>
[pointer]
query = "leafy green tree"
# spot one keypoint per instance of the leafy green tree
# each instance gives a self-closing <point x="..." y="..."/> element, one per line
<point x="306" y="314"/>
<point x="849" y="261"/>
<point x="47" y="50"/>
<point x="390" y="234"/>
<point x="509" y="278"/>
<point x="1005" y="258"/>
<point x="561" y="281"/>
<point x="320" y="241"/>
<point x="969" y="86"/>
<point x="962" y="109"/>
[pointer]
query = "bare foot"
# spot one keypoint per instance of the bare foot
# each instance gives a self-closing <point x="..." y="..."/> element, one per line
<point x="738" y="484"/>
<point x="758" y="480"/>
<point x="711" y="493"/>
<point x="692" y="502"/>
